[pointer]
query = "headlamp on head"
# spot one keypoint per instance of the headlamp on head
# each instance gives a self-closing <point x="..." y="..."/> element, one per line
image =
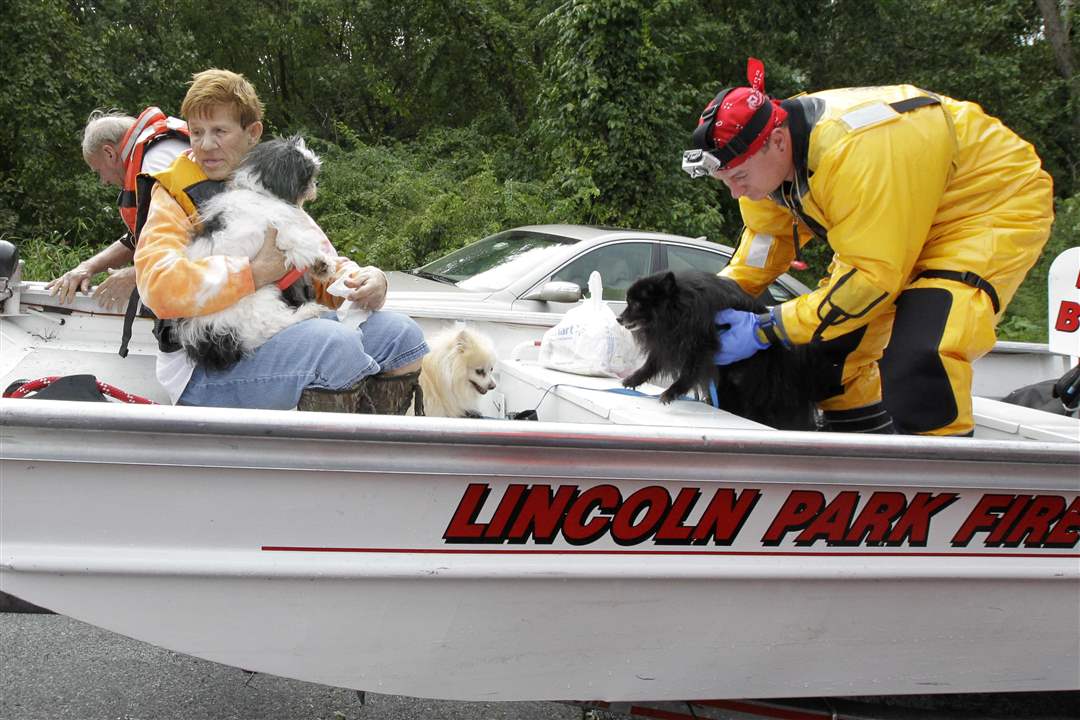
<point x="701" y="163"/>
<point x="733" y="126"/>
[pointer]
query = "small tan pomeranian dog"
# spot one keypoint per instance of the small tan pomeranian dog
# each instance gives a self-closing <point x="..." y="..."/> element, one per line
<point x="456" y="373"/>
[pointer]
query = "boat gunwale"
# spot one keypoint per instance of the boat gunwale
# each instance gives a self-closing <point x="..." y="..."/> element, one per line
<point x="425" y="564"/>
<point x="82" y="417"/>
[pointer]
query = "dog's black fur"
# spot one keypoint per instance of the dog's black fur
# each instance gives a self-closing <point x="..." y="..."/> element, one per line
<point x="671" y="317"/>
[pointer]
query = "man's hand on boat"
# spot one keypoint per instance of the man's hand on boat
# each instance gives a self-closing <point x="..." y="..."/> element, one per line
<point x="115" y="291"/>
<point x="74" y="280"/>
<point x="112" y="294"/>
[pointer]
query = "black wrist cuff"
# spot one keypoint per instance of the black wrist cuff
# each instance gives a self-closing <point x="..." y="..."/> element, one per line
<point x="766" y="324"/>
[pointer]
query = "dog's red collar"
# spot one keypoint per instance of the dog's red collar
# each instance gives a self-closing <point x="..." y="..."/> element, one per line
<point x="289" y="278"/>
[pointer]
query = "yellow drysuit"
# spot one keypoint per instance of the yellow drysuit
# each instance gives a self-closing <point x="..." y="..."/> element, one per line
<point x="932" y="208"/>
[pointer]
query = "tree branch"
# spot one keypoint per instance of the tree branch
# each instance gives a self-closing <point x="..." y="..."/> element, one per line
<point x="1058" y="37"/>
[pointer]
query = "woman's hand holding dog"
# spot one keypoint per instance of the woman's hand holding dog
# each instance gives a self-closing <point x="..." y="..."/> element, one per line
<point x="369" y="287"/>
<point x="268" y="265"/>
<point x="368" y="284"/>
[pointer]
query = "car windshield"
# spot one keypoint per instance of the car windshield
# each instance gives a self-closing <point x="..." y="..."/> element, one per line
<point x="495" y="262"/>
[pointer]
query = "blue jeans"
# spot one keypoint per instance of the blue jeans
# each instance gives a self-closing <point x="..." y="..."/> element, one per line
<point x="319" y="353"/>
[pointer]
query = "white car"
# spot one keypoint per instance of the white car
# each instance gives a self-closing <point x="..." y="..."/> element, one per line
<point x="545" y="268"/>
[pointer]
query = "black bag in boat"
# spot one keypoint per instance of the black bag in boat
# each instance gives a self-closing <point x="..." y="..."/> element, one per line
<point x="1061" y="396"/>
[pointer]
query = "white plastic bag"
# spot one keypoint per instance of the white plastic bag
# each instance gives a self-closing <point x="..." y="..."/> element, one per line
<point x="590" y="341"/>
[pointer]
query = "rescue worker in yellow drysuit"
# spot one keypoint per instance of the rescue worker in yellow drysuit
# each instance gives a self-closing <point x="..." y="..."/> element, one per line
<point x="935" y="211"/>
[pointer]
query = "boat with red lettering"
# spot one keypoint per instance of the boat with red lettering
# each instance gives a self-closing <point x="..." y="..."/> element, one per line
<point x="615" y="550"/>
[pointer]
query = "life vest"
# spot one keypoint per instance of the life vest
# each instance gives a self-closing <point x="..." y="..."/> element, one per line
<point x="151" y="126"/>
<point x="186" y="182"/>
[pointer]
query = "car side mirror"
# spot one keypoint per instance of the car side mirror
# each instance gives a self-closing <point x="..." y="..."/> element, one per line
<point x="556" y="291"/>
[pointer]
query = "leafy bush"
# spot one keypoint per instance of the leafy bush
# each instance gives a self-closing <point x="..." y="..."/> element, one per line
<point x="1026" y="318"/>
<point x="50" y="255"/>
<point x="444" y="121"/>
<point x="46" y="187"/>
<point x="399" y="206"/>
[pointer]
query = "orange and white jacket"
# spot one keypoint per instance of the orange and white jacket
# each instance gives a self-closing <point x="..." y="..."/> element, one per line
<point x="171" y="284"/>
<point x="174" y="286"/>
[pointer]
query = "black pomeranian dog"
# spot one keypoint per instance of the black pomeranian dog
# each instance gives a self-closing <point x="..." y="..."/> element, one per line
<point x="671" y="317"/>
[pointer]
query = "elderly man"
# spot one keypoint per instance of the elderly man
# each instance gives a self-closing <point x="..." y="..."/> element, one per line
<point x="118" y="148"/>
<point x="935" y="211"/>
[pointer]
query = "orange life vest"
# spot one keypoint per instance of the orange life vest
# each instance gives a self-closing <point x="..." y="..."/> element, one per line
<point x="151" y="125"/>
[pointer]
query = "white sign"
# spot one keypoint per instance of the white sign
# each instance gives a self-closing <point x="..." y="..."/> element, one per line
<point x="1064" y="293"/>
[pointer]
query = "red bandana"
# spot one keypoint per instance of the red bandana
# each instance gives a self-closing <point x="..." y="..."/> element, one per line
<point x="738" y="109"/>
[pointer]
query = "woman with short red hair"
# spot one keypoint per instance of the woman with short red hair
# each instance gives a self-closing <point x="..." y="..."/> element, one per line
<point x="317" y="364"/>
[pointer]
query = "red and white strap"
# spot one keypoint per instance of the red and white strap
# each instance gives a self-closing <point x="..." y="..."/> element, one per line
<point x="112" y="391"/>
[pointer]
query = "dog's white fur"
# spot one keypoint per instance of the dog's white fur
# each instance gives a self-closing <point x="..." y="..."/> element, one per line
<point x="248" y="210"/>
<point x="457" y="372"/>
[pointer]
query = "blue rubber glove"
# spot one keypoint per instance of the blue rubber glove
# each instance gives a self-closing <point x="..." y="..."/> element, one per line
<point x="739" y="339"/>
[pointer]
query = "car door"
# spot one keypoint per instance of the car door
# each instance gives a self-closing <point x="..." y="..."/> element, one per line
<point x="685" y="257"/>
<point x="619" y="265"/>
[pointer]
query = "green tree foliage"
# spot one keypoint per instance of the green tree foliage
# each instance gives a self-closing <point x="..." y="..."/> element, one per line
<point x="381" y="69"/>
<point x="992" y="53"/>
<point x="603" y="130"/>
<point x="1025" y="319"/>
<point x="397" y="208"/>
<point x="443" y="120"/>
<point x="53" y="73"/>
<point x="613" y="115"/>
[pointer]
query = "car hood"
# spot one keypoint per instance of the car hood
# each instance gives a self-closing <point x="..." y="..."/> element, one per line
<point x="407" y="288"/>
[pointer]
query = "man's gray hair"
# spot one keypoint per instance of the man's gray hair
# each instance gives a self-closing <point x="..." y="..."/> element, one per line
<point x="104" y="127"/>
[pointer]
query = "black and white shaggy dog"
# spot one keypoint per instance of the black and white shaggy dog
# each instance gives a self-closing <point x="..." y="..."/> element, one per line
<point x="268" y="189"/>
<point x="671" y="317"/>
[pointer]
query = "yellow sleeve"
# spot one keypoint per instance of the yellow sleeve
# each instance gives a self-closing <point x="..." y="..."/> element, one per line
<point x="172" y="285"/>
<point x="880" y="190"/>
<point x="765" y="249"/>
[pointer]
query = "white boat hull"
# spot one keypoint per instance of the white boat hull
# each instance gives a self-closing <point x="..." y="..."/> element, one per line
<point x="326" y="549"/>
<point x="628" y="552"/>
